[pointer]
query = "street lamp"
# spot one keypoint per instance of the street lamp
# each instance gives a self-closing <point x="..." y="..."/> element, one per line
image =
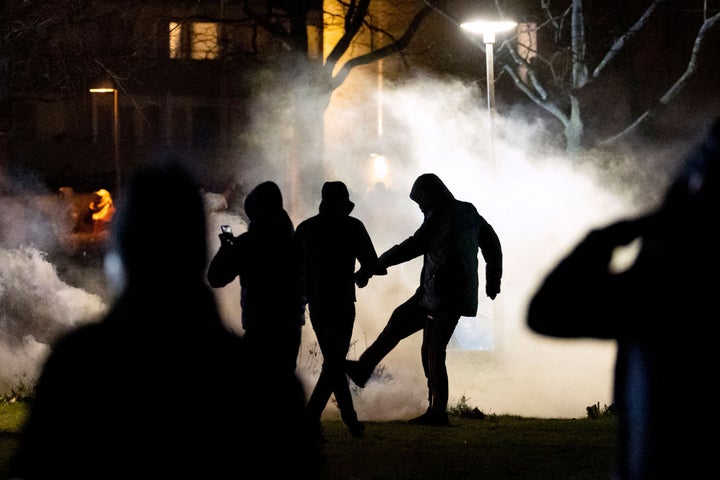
<point x="116" y="128"/>
<point x="488" y="29"/>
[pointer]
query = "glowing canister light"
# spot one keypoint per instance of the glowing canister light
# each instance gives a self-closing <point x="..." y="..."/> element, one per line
<point x="380" y="169"/>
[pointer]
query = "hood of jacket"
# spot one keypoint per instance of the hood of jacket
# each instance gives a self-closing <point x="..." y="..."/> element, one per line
<point x="429" y="192"/>
<point x="335" y="199"/>
<point x="263" y="201"/>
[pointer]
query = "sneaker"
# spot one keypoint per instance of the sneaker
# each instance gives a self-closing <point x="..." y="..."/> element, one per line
<point x="431" y="418"/>
<point x="356" y="373"/>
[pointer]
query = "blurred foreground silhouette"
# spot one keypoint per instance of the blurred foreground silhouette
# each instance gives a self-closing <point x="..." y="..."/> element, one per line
<point x="159" y="388"/>
<point x="662" y="311"/>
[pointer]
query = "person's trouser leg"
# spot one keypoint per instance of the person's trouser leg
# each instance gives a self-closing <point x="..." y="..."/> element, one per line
<point x="341" y="334"/>
<point x="405" y="320"/>
<point x="333" y="329"/>
<point x="438" y="330"/>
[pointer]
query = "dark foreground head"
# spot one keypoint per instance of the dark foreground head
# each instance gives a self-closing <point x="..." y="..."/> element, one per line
<point x="160" y="230"/>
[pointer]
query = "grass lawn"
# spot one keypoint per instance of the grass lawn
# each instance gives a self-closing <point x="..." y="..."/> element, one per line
<point x="496" y="447"/>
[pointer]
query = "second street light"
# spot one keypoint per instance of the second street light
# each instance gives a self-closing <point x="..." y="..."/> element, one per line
<point x="488" y="29"/>
<point x="116" y="129"/>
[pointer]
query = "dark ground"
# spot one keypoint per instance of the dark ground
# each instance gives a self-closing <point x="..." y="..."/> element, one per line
<point x="496" y="447"/>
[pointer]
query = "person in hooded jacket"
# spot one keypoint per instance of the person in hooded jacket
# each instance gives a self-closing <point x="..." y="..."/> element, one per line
<point x="662" y="311"/>
<point x="332" y="242"/>
<point x="448" y="239"/>
<point x="159" y="388"/>
<point x="268" y="265"/>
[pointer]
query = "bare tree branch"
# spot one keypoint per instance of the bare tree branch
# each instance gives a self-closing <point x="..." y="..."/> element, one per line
<point x="353" y="22"/>
<point x="549" y="106"/>
<point x="384" y="51"/>
<point x="624" y="39"/>
<point x="675" y="89"/>
<point x="579" y="46"/>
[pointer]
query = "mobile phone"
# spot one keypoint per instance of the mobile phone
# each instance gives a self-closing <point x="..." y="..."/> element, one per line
<point x="225" y="229"/>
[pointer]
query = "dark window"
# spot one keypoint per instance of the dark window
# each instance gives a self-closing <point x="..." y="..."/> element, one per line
<point x="151" y="126"/>
<point x="205" y="127"/>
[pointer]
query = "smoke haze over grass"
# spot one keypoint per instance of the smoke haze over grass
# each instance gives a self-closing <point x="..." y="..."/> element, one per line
<point x="539" y="200"/>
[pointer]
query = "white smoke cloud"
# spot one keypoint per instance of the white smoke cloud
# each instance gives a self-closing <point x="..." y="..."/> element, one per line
<point x="539" y="200"/>
<point x="36" y="306"/>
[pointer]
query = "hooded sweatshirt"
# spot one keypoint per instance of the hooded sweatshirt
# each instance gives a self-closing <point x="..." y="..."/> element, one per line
<point x="266" y="261"/>
<point x="332" y="241"/>
<point x="448" y="239"/>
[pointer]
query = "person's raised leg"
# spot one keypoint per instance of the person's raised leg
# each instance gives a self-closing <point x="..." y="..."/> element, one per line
<point x="405" y="320"/>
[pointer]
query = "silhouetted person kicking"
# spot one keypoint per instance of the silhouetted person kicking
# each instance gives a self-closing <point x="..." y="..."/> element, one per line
<point x="159" y="388"/>
<point x="268" y="265"/>
<point x="448" y="239"/>
<point x="663" y="311"/>
<point x="332" y="242"/>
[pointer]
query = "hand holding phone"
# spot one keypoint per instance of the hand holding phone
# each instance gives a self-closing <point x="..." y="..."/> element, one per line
<point x="226" y="235"/>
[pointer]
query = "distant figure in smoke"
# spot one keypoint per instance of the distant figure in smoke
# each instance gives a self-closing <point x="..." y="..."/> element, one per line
<point x="663" y="312"/>
<point x="448" y="239"/>
<point x="332" y="242"/>
<point x="268" y="264"/>
<point x="100" y="212"/>
<point x="159" y="388"/>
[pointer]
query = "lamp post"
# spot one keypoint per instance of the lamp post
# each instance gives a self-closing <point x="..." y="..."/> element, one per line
<point x="488" y="29"/>
<point x="116" y="130"/>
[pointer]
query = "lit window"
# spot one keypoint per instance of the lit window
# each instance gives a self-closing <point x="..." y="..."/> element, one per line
<point x="204" y="42"/>
<point x="175" y="40"/>
<point x="526" y="46"/>
<point x="198" y="40"/>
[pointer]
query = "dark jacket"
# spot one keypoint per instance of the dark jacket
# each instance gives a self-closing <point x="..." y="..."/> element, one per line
<point x="448" y="239"/>
<point x="332" y="241"/>
<point x="266" y="260"/>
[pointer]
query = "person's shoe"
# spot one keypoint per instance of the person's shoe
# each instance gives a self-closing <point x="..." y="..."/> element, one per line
<point x="421" y="419"/>
<point x="356" y="373"/>
<point x="356" y="429"/>
<point x="315" y="431"/>
<point x="431" y="418"/>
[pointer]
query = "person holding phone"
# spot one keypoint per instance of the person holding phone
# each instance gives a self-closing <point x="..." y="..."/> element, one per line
<point x="267" y="263"/>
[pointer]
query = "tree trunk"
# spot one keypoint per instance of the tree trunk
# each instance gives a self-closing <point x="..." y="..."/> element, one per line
<point x="574" y="128"/>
